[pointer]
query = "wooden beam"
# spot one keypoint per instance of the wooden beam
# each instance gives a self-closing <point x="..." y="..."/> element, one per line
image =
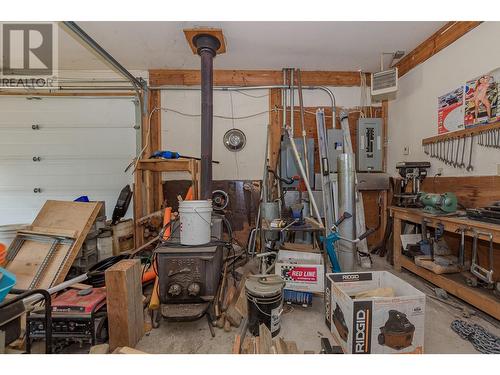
<point x="155" y="141"/>
<point x="124" y="303"/>
<point x="275" y="121"/>
<point x="167" y="77"/>
<point x="442" y="38"/>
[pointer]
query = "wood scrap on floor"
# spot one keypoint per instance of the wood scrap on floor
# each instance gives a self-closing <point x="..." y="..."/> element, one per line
<point x="127" y="350"/>
<point x="41" y="256"/>
<point x="255" y="345"/>
<point x="262" y="344"/>
<point x="99" y="349"/>
<point x="231" y="302"/>
<point x="124" y="303"/>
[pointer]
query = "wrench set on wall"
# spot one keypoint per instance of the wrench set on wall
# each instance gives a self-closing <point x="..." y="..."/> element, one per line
<point x="457" y="150"/>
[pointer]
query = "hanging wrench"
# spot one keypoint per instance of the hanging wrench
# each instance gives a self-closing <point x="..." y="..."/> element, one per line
<point x="455" y="163"/>
<point x="470" y="167"/>
<point x="462" y="164"/>
<point x="446" y="151"/>
<point x="452" y="141"/>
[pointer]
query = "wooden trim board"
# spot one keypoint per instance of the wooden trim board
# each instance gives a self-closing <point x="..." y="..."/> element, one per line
<point x="170" y="77"/>
<point x="441" y="39"/>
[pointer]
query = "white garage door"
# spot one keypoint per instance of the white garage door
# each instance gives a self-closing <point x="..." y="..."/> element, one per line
<point x="83" y="145"/>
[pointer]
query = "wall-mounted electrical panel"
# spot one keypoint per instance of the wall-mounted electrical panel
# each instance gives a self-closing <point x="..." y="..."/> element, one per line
<point x="369" y="151"/>
<point x="335" y="147"/>
<point x="289" y="168"/>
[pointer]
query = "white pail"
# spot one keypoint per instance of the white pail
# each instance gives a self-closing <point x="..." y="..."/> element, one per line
<point x="196" y="219"/>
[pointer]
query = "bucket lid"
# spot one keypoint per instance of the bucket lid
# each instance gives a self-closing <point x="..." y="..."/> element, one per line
<point x="264" y="285"/>
<point x="206" y="203"/>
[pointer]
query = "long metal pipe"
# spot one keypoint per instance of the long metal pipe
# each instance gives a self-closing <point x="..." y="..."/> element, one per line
<point x="207" y="46"/>
<point x="347" y="203"/>
<point x="78" y="31"/>
<point x="284" y="99"/>
<point x="302" y="121"/>
<point x="292" y="103"/>
<point x="207" y="113"/>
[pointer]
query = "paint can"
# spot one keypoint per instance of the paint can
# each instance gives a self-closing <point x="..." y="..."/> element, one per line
<point x="265" y="302"/>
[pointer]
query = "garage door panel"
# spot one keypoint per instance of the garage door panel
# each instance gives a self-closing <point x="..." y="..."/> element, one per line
<point x="84" y="144"/>
<point x="61" y="167"/>
<point x="66" y="142"/>
<point x="71" y="111"/>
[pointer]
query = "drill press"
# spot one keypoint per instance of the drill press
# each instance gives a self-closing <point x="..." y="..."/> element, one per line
<point x="413" y="172"/>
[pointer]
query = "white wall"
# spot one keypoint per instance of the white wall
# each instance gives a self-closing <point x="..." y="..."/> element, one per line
<point x="413" y="115"/>
<point x="182" y="133"/>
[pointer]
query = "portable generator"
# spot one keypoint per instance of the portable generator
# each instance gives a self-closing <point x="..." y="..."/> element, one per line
<point x="397" y="333"/>
<point x="339" y="321"/>
<point x="77" y="316"/>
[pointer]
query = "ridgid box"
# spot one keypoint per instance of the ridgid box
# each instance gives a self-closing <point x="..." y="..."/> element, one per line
<point x="384" y="325"/>
<point x="302" y="271"/>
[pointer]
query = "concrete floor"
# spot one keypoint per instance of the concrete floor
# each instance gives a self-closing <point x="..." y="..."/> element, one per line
<point x="306" y="326"/>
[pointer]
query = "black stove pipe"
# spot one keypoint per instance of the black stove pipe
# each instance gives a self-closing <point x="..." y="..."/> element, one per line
<point x="207" y="46"/>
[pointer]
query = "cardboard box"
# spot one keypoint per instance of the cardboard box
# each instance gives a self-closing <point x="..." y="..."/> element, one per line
<point x="380" y="325"/>
<point x="302" y="271"/>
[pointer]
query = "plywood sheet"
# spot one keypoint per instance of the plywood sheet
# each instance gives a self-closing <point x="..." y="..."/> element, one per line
<point x="63" y="217"/>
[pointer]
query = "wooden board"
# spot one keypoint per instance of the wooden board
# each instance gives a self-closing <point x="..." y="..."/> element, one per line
<point x="453" y="284"/>
<point x="124" y="303"/>
<point x="434" y="267"/>
<point x="63" y="216"/>
<point x="180" y="77"/>
<point x="154" y="102"/>
<point x="462" y="133"/>
<point x="442" y="38"/>
<point x="266" y="339"/>
<point x="215" y="32"/>
<point x="471" y="191"/>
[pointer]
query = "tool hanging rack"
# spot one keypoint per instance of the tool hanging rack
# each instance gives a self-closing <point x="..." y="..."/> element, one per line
<point x="462" y="133"/>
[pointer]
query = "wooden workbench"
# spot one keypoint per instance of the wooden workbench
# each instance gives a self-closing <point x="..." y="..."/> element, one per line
<point x="452" y="283"/>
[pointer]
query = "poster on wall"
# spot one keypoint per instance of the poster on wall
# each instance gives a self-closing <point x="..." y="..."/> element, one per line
<point x="450" y="111"/>
<point x="481" y="99"/>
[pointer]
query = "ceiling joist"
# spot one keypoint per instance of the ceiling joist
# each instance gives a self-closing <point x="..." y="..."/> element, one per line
<point x="168" y="77"/>
<point x="441" y="39"/>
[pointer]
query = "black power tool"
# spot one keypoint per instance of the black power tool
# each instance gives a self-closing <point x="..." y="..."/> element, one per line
<point x="397" y="333"/>
<point x="339" y="321"/>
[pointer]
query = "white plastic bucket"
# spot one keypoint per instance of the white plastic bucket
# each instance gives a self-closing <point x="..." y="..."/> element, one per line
<point x="196" y="219"/>
<point x="8" y="233"/>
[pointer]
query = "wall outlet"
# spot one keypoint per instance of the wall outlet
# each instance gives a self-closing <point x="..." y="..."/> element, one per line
<point x="440" y="171"/>
<point x="406" y="150"/>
